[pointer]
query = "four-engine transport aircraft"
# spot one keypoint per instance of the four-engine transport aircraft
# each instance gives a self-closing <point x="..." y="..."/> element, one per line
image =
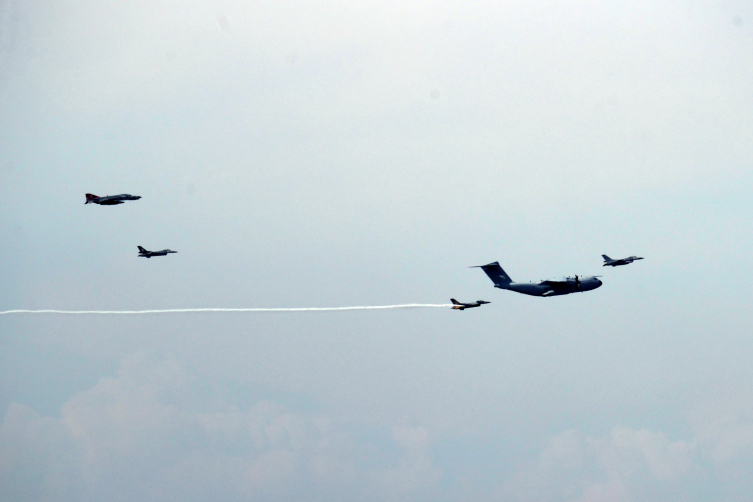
<point x="143" y="253"/>
<point x="462" y="306"/>
<point x="608" y="262"/>
<point x="564" y="286"/>
<point x="110" y="200"/>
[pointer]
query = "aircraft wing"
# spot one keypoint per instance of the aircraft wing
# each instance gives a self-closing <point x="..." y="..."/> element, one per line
<point x="555" y="284"/>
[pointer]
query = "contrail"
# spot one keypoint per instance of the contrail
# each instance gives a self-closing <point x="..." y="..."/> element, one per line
<point x="181" y="311"/>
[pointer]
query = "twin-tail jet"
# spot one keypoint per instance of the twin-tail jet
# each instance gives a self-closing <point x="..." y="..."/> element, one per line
<point x="456" y="305"/>
<point x="143" y="253"/>
<point x="110" y="200"/>
<point x="564" y="286"/>
<point x="608" y="262"/>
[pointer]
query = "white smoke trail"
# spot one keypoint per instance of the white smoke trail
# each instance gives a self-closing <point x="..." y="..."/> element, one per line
<point x="180" y="311"/>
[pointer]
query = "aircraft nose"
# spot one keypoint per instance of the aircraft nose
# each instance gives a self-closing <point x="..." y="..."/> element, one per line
<point x="598" y="283"/>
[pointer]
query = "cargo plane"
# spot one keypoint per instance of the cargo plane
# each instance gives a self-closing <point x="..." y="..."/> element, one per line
<point x="559" y="287"/>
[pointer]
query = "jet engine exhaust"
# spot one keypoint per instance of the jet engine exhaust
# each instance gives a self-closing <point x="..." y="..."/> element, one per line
<point x="199" y="310"/>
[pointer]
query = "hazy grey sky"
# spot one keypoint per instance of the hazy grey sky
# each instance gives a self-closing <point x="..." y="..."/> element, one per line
<point x="312" y="154"/>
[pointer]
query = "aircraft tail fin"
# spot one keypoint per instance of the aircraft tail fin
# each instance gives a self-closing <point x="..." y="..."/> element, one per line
<point x="498" y="276"/>
<point x="142" y="250"/>
<point x="606" y="258"/>
<point x="454" y="301"/>
<point x="90" y="198"/>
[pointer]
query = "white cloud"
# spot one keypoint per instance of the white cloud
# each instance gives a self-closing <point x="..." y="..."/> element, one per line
<point x="37" y="457"/>
<point x="628" y="465"/>
<point x="664" y="459"/>
<point x="414" y="474"/>
<point x="129" y="435"/>
<point x="722" y="422"/>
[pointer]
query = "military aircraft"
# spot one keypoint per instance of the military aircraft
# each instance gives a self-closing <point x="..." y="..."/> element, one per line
<point x="564" y="286"/>
<point x="622" y="261"/>
<point x="110" y="200"/>
<point x="143" y="253"/>
<point x="462" y="306"/>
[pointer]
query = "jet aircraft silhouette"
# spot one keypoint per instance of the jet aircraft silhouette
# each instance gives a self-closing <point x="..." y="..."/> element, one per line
<point x="564" y="286"/>
<point x="110" y="200"/>
<point x="462" y="306"/>
<point x="608" y="262"/>
<point x="143" y="253"/>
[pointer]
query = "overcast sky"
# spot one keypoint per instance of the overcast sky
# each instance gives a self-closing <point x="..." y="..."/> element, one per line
<point x="332" y="153"/>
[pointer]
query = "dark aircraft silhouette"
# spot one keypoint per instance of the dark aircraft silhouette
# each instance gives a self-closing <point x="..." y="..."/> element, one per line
<point x="110" y="200"/>
<point x="564" y="286"/>
<point x="462" y="306"/>
<point x="143" y="253"/>
<point x="621" y="261"/>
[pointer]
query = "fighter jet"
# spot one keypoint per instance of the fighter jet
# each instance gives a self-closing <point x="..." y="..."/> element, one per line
<point x="563" y="286"/>
<point x="110" y="200"/>
<point x="608" y="262"/>
<point x="143" y="253"/>
<point x="462" y="306"/>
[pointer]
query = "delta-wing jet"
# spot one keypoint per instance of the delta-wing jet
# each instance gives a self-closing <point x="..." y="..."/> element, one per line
<point x="143" y="253"/>
<point x="608" y="262"/>
<point x="563" y="286"/>
<point x="110" y="200"/>
<point x="456" y="305"/>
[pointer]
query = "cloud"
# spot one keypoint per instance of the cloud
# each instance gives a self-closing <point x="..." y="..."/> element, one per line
<point x="37" y="457"/>
<point x="133" y="436"/>
<point x="722" y="423"/>
<point x="626" y="465"/>
<point x="150" y="433"/>
<point x="414" y="474"/>
<point x="664" y="459"/>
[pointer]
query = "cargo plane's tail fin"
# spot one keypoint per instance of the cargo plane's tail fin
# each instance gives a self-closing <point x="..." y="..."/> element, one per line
<point x="498" y="276"/>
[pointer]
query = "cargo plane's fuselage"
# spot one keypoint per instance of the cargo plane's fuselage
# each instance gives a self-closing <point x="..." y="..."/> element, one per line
<point x="553" y="288"/>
